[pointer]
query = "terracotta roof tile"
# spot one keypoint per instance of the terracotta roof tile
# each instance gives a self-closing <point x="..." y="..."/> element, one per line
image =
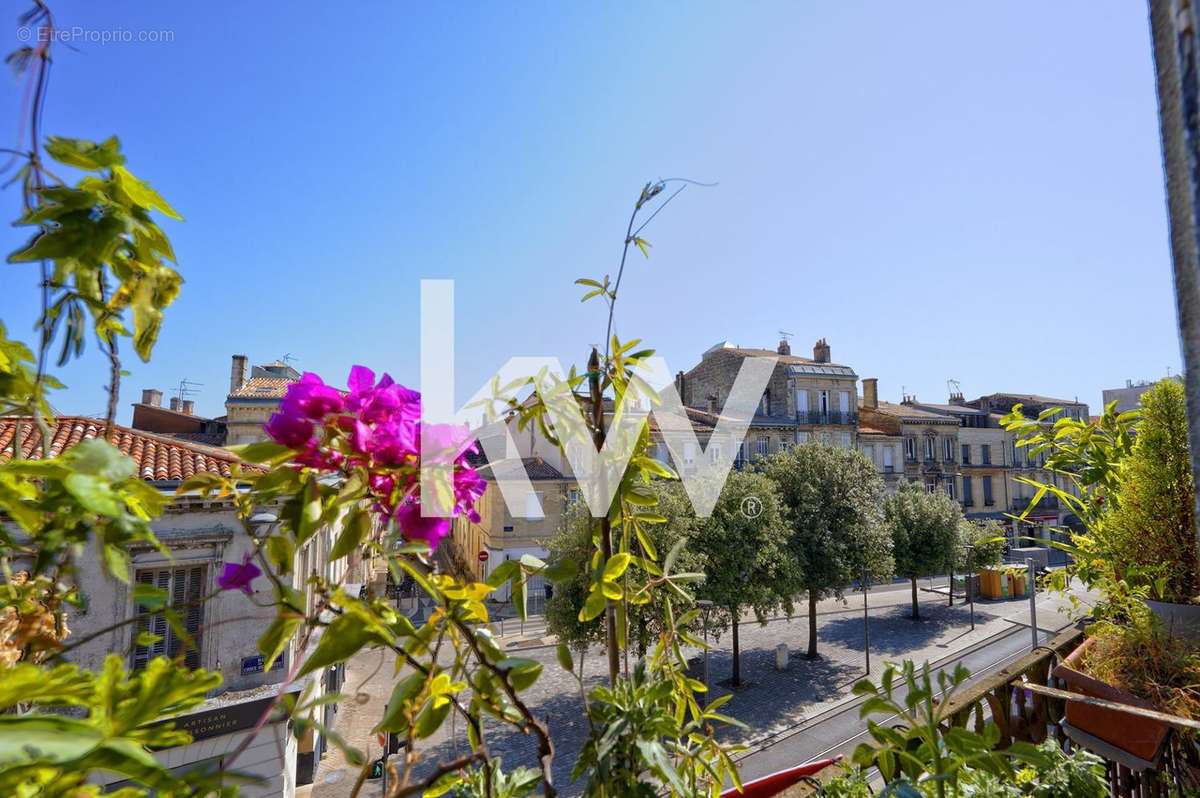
<point x="158" y="457"/>
<point x="262" y="388"/>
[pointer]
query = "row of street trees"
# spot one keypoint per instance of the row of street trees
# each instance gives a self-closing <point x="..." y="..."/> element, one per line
<point x="805" y="522"/>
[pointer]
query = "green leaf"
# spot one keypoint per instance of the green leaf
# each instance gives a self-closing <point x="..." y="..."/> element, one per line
<point x="431" y="718"/>
<point x="522" y="673"/>
<point x="356" y="529"/>
<point x="593" y="606"/>
<point x="564" y="658"/>
<point x="275" y="639"/>
<point x="84" y="154"/>
<point x="616" y="566"/>
<point x="141" y="193"/>
<point x="404" y="691"/>
<point x="262" y="452"/>
<point x="342" y="639"/>
<point x="643" y="245"/>
<point x="149" y="597"/>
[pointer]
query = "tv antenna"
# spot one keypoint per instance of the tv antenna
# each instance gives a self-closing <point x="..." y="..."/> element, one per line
<point x="289" y="357"/>
<point x="953" y="387"/>
<point x="787" y="336"/>
<point x="187" y="388"/>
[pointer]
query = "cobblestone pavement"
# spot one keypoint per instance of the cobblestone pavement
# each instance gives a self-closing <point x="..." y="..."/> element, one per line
<point x="769" y="701"/>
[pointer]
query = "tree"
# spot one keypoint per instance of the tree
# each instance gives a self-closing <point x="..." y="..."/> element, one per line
<point x="1151" y="529"/>
<point x="924" y="530"/>
<point x="746" y="557"/>
<point x="980" y="545"/>
<point x="574" y="547"/>
<point x="832" y="496"/>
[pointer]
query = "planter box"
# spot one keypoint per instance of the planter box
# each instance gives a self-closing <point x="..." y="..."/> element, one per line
<point x="1141" y="737"/>
<point x="1017" y="584"/>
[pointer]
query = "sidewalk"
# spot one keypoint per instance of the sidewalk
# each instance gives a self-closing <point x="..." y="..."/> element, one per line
<point x="771" y="702"/>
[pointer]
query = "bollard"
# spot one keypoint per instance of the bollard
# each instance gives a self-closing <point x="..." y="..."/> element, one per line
<point x="781" y="657"/>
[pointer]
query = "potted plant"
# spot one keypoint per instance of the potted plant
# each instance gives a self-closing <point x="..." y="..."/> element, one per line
<point x="1132" y="489"/>
<point x="1152" y="526"/>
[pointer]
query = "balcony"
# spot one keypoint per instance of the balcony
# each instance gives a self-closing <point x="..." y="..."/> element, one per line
<point x="843" y="418"/>
<point x="1027" y="716"/>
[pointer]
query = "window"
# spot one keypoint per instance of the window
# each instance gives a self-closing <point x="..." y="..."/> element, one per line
<point x="930" y="487"/>
<point x="887" y="458"/>
<point x="764" y="404"/>
<point x="950" y="487"/>
<point x="966" y="454"/>
<point x="184" y="587"/>
<point x="869" y="452"/>
<point x="967" y="496"/>
<point x="533" y="504"/>
<point x="910" y="448"/>
<point x="763" y="444"/>
<point x="987" y="492"/>
<point x="948" y="449"/>
<point x="930" y="448"/>
<point x="573" y="495"/>
<point x="845" y="440"/>
<point x="985" y="453"/>
<point x="689" y="454"/>
<point x="824" y="403"/>
<point x="844" y="404"/>
<point x="714" y="452"/>
<point x="801" y="402"/>
<point x="782" y="445"/>
<point x="801" y="436"/>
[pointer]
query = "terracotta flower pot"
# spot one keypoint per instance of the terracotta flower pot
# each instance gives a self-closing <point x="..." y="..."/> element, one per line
<point x="1141" y="737"/>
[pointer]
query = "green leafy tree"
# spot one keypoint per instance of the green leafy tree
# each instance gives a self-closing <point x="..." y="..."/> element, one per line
<point x="1152" y="530"/>
<point x="746" y="559"/>
<point x="924" y="529"/>
<point x="832" y="496"/>
<point x="572" y="549"/>
<point x="980" y="545"/>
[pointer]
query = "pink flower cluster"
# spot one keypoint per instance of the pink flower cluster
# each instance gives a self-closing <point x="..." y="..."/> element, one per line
<point x="377" y="427"/>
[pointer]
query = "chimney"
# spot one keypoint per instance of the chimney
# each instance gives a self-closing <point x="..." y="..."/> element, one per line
<point x="152" y="396"/>
<point x="956" y="398"/>
<point x="784" y="347"/>
<point x="679" y="384"/>
<point x="175" y="403"/>
<point x="821" y="351"/>
<point x="712" y="404"/>
<point x="237" y="375"/>
<point x="189" y="407"/>
<point x="871" y="392"/>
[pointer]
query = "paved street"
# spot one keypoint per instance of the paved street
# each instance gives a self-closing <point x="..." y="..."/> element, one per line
<point x="793" y="715"/>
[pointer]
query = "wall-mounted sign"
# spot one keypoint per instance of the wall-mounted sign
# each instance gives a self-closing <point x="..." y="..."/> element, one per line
<point x="255" y="664"/>
<point x="227" y="719"/>
<point x="483" y="555"/>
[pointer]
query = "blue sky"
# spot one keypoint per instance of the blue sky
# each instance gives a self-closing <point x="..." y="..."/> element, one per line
<point x="966" y="191"/>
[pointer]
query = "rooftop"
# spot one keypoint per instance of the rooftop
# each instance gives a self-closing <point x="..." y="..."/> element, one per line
<point x="910" y="413"/>
<point x="159" y="458"/>
<point x="262" y="388"/>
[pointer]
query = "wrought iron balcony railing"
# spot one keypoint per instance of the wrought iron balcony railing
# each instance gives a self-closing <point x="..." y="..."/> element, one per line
<point x="844" y="418"/>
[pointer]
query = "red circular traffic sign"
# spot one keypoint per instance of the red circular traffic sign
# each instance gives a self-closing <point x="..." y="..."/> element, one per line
<point x="483" y="556"/>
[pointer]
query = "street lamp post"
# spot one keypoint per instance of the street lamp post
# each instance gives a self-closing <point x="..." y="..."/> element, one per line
<point x="866" y="583"/>
<point x="970" y="580"/>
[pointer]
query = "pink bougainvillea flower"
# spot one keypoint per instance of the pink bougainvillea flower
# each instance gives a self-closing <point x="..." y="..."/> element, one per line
<point x="312" y="398"/>
<point x="375" y="427"/>
<point x="239" y="576"/>
<point x="290" y="430"/>
<point x="415" y="526"/>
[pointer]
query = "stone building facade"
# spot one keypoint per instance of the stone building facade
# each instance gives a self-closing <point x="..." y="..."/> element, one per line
<point x="253" y="399"/>
<point x="929" y="439"/>
<point x="805" y="399"/>
<point x="200" y="535"/>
